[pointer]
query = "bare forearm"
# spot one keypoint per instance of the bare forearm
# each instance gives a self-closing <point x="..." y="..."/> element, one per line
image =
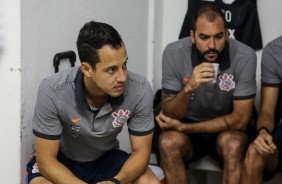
<point x="177" y="106"/>
<point x="266" y="121"/>
<point x="133" y="167"/>
<point x="58" y="173"/>
<point x="215" y="125"/>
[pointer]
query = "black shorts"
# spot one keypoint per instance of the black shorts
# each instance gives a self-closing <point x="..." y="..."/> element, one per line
<point x="105" y="167"/>
<point x="205" y="144"/>
<point x="277" y="139"/>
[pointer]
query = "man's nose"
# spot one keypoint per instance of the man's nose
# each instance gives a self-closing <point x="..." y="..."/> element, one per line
<point x="122" y="75"/>
<point x="211" y="43"/>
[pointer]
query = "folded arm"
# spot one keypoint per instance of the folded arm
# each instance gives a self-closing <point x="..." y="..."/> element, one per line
<point x="237" y="120"/>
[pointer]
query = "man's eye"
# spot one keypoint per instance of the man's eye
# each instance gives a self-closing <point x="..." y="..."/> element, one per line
<point x="204" y="37"/>
<point x="111" y="70"/>
<point x="218" y="37"/>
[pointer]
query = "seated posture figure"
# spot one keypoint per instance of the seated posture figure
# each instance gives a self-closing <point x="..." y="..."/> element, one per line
<point x="200" y="117"/>
<point x="80" y="111"/>
<point x="264" y="156"/>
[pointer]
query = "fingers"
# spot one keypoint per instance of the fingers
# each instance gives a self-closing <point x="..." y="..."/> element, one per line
<point x="263" y="149"/>
<point x="165" y="122"/>
<point x="264" y="144"/>
<point x="161" y="120"/>
<point x="273" y="146"/>
<point x="203" y="73"/>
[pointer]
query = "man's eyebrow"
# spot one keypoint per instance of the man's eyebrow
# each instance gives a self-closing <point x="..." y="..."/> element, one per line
<point x="202" y="34"/>
<point x="217" y="34"/>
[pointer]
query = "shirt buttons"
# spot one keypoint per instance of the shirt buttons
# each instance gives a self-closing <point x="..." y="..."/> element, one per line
<point x="192" y="96"/>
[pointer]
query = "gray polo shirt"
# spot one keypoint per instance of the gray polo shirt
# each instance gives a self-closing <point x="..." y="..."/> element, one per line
<point x="271" y="63"/>
<point x="62" y="112"/>
<point x="236" y="79"/>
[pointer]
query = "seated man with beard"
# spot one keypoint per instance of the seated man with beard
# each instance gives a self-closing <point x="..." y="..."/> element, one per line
<point x="200" y="117"/>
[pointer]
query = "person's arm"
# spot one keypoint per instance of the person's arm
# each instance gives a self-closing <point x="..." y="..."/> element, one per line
<point x="49" y="166"/>
<point x="202" y="73"/>
<point x="138" y="161"/>
<point x="265" y="123"/>
<point x="269" y="97"/>
<point x="237" y="120"/>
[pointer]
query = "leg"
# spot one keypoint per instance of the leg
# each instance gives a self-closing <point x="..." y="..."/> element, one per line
<point x="147" y="177"/>
<point x="40" y="180"/>
<point x="231" y="146"/>
<point x="254" y="165"/>
<point x="175" y="148"/>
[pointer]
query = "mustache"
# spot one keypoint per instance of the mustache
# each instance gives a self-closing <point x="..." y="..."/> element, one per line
<point x="211" y="51"/>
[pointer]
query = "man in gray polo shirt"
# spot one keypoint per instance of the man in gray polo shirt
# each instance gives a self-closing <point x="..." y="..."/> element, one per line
<point x="264" y="156"/>
<point x="200" y="117"/>
<point x="80" y="111"/>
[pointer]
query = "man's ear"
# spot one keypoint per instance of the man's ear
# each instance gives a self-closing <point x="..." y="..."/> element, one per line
<point x="192" y="36"/>
<point x="86" y="69"/>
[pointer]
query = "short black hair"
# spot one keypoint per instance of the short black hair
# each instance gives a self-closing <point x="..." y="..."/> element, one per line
<point x="92" y="37"/>
<point x="210" y="11"/>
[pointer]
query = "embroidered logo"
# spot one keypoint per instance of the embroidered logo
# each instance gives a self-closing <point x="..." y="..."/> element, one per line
<point x="75" y="120"/>
<point x="35" y="168"/>
<point x="121" y="118"/>
<point x="226" y="82"/>
<point x="75" y="128"/>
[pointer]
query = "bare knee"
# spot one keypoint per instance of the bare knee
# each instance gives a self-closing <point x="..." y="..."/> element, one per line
<point x="253" y="158"/>
<point x="40" y="180"/>
<point x="173" y="143"/>
<point x="232" y="144"/>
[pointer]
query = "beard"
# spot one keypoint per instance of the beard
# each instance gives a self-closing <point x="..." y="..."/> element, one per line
<point x="205" y="58"/>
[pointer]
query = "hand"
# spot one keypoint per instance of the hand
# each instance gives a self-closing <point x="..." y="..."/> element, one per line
<point x="167" y="123"/>
<point x="263" y="143"/>
<point x="203" y="73"/>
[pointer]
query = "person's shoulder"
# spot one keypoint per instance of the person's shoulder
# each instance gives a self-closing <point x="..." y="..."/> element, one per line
<point x="61" y="78"/>
<point x="239" y="47"/>
<point x="275" y="43"/>
<point x="182" y="43"/>
<point x="137" y="83"/>
<point x="136" y="78"/>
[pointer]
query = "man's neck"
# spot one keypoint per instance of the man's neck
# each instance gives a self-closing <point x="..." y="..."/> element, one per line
<point x="96" y="101"/>
<point x="94" y="96"/>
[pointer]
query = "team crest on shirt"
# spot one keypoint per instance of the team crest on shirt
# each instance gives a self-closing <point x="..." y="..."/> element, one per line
<point x="226" y="82"/>
<point x="121" y="118"/>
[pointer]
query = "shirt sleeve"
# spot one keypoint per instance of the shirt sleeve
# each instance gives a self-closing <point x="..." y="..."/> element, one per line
<point x="270" y="66"/>
<point x="46" y="123"/>
<point x="171" y="78"/>
<point x="246" y="78"/>
<point x="142" y="121"/>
